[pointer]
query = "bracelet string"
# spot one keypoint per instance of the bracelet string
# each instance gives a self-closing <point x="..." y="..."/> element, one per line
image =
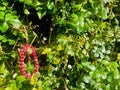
<point x="22" y="58"/>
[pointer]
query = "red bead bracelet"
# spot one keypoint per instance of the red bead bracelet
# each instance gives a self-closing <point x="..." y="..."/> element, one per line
<point x="22" y="57"/>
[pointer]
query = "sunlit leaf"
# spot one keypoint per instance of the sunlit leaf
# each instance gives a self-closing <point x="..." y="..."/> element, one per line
<point x="56" y="61"/>
<point x="40" y="88"/>
<point x="15" y="22"/>
<point x="34" y="88"/>
<point x="46" y="51"/>
<point x="50" y="5"/>
<point x="33" y="80"/>
<point x="2" y="81"/>
<point x="11" y="42"/>
<point x="2" y="8"/>
<point x="41" y="14"/>
<point x="20" y="79"/>
<point x="4" y="27"/>
<point x="1" y="37"/>
<point x="5" y="3"/>
<point x="26" y="12"/>
<point x="2" y="15"/>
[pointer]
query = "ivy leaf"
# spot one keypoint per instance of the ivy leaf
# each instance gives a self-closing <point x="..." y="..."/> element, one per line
<point x="12" y="19"/>
<point x="13" y="86"/>
<point x="29" y="2"/>
<point x="4" y="27"/>
<point x="46" y="51"/>
<point x="56" y="61"/>
<point x="2" y="15"/>
<point x="26" y="12"/>
<point x="1" y="37"/>
<point x="41" y="14"/>
<point x="29" y="67"/>
<point x="4" y="40"/>
<point x="20" y="79"/>
<point x="2" y="8"/>
<point x="87" y="45"/>
<point x="50" y="5"/>
<point x="13" y="54"/>
<point x="11" y="42"/>
<point x="1" y="58"/>
<point x="9" y="16"/>
<point x="40" y="88"/>
<point x="15" y="22"/>
<point x="34" y="88"/>
<point x="2" y="68"/>
<point x="33" y="79"/>
<point x="21" y="35"/>
<point x="5" y="3"/>
<point x="2" y="81"/>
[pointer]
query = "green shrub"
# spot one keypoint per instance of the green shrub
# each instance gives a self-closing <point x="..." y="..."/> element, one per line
<point x="77" y="44"/>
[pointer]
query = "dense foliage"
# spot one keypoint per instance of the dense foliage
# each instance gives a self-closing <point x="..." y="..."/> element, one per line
<point x="77" y="43"/>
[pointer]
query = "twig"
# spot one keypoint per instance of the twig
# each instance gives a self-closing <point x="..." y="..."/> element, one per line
<point x="15" y="44"/>
<point x="33" y="38"/>
<point x="26" y="34"/>
<point x="51" y="29"/>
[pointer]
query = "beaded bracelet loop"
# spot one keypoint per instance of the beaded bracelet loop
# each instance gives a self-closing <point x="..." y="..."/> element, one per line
<point x="22" y="57"/>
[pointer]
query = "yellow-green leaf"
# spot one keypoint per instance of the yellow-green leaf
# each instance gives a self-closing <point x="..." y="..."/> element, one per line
<point x="4" y="27"/>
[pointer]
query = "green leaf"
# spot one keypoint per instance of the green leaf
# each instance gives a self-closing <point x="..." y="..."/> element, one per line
<point x="4" y="27"/>
<point x="13" y="86"/>
<point x="20" y="79"/>
<point x="86" y="79"/>
<point x="1" y="37"/>
<point x="2" y="14"/>
<point x="70" y="51"/>
<point x="15" y="22"/>
<point x="2" y="8"/>
<point x="9" y="16"/>
<point x="26" y="12"/>
<point x="4" y="40"/>
<point x="33" y="80"/>
<point x="12" y="19"/>
<point x="102" y="12"/>
<point x="21" y="35"/>
<point x="50" y="5"/>
<point x="87" y="45"/>
<point x="8" y="88"/>
<point x="13" y="54"/>
<point x="36" y="3"/>
<point x="56" y="61"/>
<point x="104" y="62"/>
<point x="47" y="88"/>
<point x="114" y="69"/>
<point x="5" y="3"/>
<point x="1" y="58"/>
<point x="29" y="2"/>
<point x="21" y="0"/>
<point x="2" y="68"/>
<point x="34" y="88"/>
<point x="30" y="67"/>
<point x="11" y="42"/>
<point x="41" y="14"/>
<point x="2" y="81"/>
<point x="40" y="88"/>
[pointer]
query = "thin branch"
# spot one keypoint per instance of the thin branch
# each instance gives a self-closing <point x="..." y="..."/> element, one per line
<point x="33" y="38"/>
<point x="26" y="34"/>
<point x="15" y="44"/>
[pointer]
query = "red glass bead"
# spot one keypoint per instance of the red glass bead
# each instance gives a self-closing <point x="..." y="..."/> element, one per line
<point x="22" y="57"/>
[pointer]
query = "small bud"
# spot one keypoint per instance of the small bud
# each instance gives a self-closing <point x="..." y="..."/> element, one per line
<point x="14" y="75"/>
<point x="29" y="51"/>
